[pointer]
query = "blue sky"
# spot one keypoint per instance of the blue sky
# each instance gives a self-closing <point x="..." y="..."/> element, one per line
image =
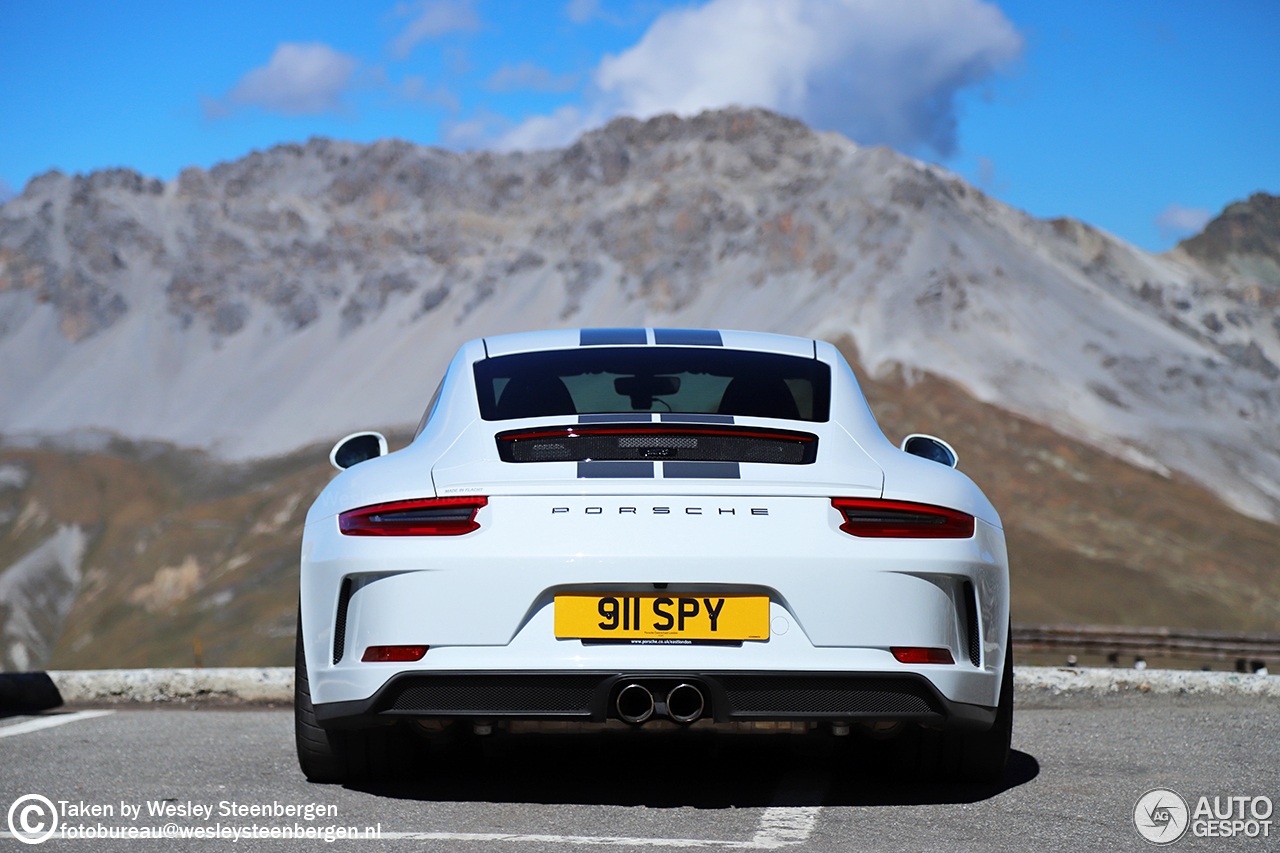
<point x="1141" y="117"/>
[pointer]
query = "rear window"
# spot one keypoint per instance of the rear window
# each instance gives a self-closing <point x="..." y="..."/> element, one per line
<point x="676" y="380"/>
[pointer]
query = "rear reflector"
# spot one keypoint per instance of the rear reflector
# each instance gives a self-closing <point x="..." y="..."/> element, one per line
<point x="901" y="520"/>
<point x="427" y="517"/>
<point x="912" y="654"/>
<point x="393" y="654"/>
<point x="684" y="443"/>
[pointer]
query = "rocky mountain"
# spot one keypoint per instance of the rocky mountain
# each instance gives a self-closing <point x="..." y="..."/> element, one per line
<point x="309" y="290"/>
<point x="1242" y="244"/>
<point x="312" y="289"/>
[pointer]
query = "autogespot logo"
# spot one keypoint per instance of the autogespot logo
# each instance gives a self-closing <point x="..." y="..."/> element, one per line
<point x="32" y="819"/>
<point x="1161" y="816"/>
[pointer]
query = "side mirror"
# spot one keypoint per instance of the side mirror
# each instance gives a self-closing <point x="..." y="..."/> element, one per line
<point x="933" y="449"/>
<point x="356" y="448"/>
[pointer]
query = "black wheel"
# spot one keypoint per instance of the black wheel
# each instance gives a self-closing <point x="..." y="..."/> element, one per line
<point x="983" y="755"/>
<point x="927" y="755"/>
<point x="320" y="752"/>
<point x="356" y="755"/>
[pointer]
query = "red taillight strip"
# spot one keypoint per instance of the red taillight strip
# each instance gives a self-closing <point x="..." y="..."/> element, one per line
<point x="393" y="654"/>
<point x="901" y="519"/>
<point x="914" y="654"/>
<point x="682" y="429"/>
<point x="426" y="517"/>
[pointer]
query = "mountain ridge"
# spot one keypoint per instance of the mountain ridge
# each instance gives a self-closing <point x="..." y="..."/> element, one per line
<point x="1243" y="243"/>
<point x="245" y="309"/>
<point x="1106" y="399"/>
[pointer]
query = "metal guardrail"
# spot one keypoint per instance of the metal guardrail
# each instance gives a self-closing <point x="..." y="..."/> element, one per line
<point x="1165" y="642"/>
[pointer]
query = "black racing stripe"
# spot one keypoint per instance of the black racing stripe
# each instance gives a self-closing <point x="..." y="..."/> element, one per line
<point x="611" y="337"/>
<point x="701" y="470"/>
<point x="615" y="470"/>
<point x="697" y="419"/>
<point x="626" y="418"/>
<point x="688" y="337"/>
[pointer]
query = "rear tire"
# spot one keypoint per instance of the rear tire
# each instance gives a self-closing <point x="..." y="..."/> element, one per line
<point x="983" y="755"/>
<point x="320" y="752"/>
<point x="927" y="755"/>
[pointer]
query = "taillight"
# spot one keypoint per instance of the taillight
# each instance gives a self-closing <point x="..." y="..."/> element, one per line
<point x="427" y="517"/>
<point x="913" y="654"/>
<point x="901" y="519"/>
<point x="393" y="654"/>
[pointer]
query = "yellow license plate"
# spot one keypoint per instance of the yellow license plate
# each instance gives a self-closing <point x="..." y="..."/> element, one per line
<point x="674" y="616"/>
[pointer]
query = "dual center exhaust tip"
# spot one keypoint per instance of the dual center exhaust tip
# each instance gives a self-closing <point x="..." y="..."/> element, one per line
<point x="683" y="703"/>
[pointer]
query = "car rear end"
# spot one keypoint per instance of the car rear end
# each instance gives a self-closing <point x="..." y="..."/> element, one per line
<point x="737" y="558"/>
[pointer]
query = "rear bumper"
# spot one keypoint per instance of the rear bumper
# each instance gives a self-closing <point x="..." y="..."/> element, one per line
<point x="591" y="696"/>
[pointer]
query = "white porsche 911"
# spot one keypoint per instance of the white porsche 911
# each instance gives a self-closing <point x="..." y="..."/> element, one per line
<point x="653" y="524"/>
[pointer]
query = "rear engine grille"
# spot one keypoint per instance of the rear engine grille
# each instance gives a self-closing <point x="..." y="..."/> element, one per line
<point x="695" y="444"/>
<point x="767" y="696"/>
<point x="488" y="694"/>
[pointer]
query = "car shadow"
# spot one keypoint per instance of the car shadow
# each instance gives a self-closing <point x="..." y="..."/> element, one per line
<point x="673" y="769"/>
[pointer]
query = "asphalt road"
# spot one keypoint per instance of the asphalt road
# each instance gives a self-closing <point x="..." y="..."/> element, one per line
<point x="1072" y="785"/>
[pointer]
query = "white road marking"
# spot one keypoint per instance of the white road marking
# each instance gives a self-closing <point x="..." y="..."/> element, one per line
<point x="780" y="826"/>
<point x="610" y="840"/>
<point x="783" y="825"/>
<point x="757" y="843"/>
<point x="48" y="722"/>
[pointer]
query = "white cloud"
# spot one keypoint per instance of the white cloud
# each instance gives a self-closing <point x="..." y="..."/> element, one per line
<point x="540" y="132"/>
<point x="879" y="71"/>
<point x="988" y="178"/>
<point x="527" y="76"/>
<point x="1176" y="221"/>
<point x="300" y="79"/>
<point x="416" y="89"/>
<point x="581" y="11"/>
<point x="432" y="19"/>
<point x="478" y="131"/>
<point x="986" y="171"/>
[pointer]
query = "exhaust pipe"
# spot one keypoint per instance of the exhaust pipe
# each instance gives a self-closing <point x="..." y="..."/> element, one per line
<point x="635" y="703"/>
<point x="685" y="703"/>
